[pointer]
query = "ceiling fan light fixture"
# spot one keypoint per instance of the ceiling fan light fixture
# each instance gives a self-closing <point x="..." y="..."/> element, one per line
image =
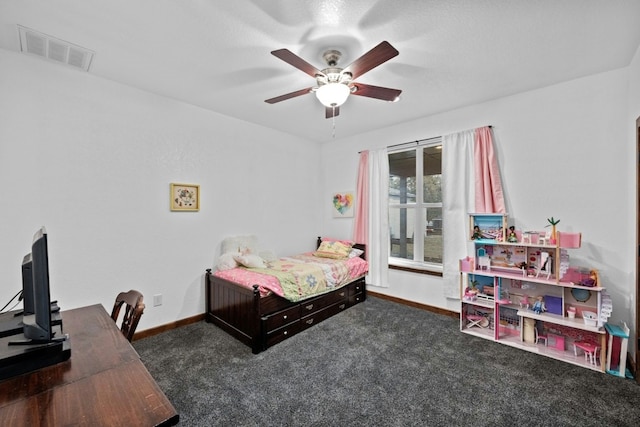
<point x="333" y="94"/>
<point x="334" y="83"/>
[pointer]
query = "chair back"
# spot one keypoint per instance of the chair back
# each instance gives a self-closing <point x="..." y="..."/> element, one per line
<point x="134" y="307"/>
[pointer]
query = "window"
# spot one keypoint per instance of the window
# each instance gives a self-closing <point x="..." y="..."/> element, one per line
<point x="415" y="205"/>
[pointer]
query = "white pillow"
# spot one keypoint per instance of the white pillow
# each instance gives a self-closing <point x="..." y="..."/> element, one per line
<point x="250" y="260"/>
<point x="355" y="253"/>
<point x="226" y="262"/>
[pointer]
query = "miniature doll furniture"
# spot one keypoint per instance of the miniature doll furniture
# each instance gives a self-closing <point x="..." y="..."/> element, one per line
<point x="556" y="341"/>
<point x="484" y="261"/>
<point x="477" y="320"/>
<point x="530" y="237"/>
<point x="590" y="351"/>
<point x="544" y="239"/>
<point x="621" y="333"/>
<point x="541" y="337"/>
<point x="529" y="331"/>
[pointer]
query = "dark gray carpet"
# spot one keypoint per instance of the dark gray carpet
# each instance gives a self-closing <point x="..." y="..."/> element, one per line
<point x="379" y="364"/>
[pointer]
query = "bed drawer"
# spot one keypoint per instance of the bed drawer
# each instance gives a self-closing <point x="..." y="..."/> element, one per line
<point x="319" y="316"/>
<point x="283" y="333"/>
<point x="355" y="299"/>
<point x="315" y="304"/>
<point x="281" y="318"/>
<point x="356" y="292"/>
<point x="356" y="288"/>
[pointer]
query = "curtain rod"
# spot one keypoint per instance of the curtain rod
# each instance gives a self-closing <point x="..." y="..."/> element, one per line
<point x="417" y="141"/>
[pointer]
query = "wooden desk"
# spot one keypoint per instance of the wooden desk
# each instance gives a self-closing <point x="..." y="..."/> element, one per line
<point x="103" y="384"/>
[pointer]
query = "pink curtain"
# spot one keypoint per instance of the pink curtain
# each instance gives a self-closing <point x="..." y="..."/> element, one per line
<point x="488" y="188"/>
<point x="361" y="222"/>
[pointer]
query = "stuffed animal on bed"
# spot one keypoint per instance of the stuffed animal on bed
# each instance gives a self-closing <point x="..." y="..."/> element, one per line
<point x="242" y="251"/>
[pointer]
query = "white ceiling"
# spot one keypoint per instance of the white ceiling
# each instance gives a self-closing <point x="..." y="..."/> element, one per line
<point x="216" y="54"/>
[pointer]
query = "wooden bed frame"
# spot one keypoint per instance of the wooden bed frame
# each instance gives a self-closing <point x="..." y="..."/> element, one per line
<point x="261" y="322"/>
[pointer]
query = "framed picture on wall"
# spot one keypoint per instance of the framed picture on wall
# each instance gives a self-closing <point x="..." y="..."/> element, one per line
<point x="343" y="202"/>
<point x="184" y="197"/>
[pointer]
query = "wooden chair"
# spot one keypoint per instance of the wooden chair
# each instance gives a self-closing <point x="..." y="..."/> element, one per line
<point x="134" y="307"/>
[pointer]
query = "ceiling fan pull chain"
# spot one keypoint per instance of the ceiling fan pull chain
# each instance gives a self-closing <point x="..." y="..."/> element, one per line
<point x="333" y="123"/>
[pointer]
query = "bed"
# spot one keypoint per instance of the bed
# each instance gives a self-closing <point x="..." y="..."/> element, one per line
<point x="260" y="318"/>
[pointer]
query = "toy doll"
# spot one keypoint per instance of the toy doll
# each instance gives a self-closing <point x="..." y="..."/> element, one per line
<point x="538" y="306"/>
<point x="477" y="234"/>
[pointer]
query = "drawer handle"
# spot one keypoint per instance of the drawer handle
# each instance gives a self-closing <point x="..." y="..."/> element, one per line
<point x="284" y="317"/>
<point x="341" y="294"/>
<point x="309" y="307"/>
<point x="310" y="321"/>
<point x="342" y="306"/>
<point x="285" y="332"/>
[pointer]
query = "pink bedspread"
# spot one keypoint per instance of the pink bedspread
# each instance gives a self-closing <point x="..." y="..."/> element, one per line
<point x="335" y="273"/>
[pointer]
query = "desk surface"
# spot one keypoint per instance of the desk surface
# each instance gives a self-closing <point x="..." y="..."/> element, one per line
<point x="104" y="382"/>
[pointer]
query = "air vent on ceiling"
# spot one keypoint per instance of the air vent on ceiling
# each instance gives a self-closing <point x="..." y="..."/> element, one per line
<point x="54" y="49"/>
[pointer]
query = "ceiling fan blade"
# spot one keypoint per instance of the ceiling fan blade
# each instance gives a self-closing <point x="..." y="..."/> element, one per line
<point x="288" y="96"/>
<point x="291" y="58"/>
<point x="376" y="56"/>
<point x="330" y="112"/>
<point x="384" y="93"/>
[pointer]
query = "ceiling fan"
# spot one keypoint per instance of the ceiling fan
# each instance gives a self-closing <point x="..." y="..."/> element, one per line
<point x="335" y="84"/>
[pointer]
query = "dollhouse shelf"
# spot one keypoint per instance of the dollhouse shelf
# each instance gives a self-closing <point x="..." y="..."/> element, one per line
<point x="480" y="303"/>
<point x="516" y="274"/>
<point x="531" y="269"/>
<point x="576" y="323"/>
<point x="567" y="355"/>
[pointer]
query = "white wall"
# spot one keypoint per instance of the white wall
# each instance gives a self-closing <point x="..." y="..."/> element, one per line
<point x="563" y="152"/>
<point x="92" y="161"/>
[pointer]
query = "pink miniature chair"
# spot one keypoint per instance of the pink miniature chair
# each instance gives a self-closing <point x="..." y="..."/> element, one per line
<point x="540" y="337"/>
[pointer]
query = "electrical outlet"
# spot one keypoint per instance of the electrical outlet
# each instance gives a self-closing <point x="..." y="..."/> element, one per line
<point x="157" y="300"/>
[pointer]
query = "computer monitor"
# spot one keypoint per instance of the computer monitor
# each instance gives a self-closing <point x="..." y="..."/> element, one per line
<point x="37" y="326"/>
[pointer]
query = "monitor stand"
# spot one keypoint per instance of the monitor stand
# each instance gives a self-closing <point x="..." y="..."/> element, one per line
<point x="30" y="341"/>
<point x="11" y="321"/>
